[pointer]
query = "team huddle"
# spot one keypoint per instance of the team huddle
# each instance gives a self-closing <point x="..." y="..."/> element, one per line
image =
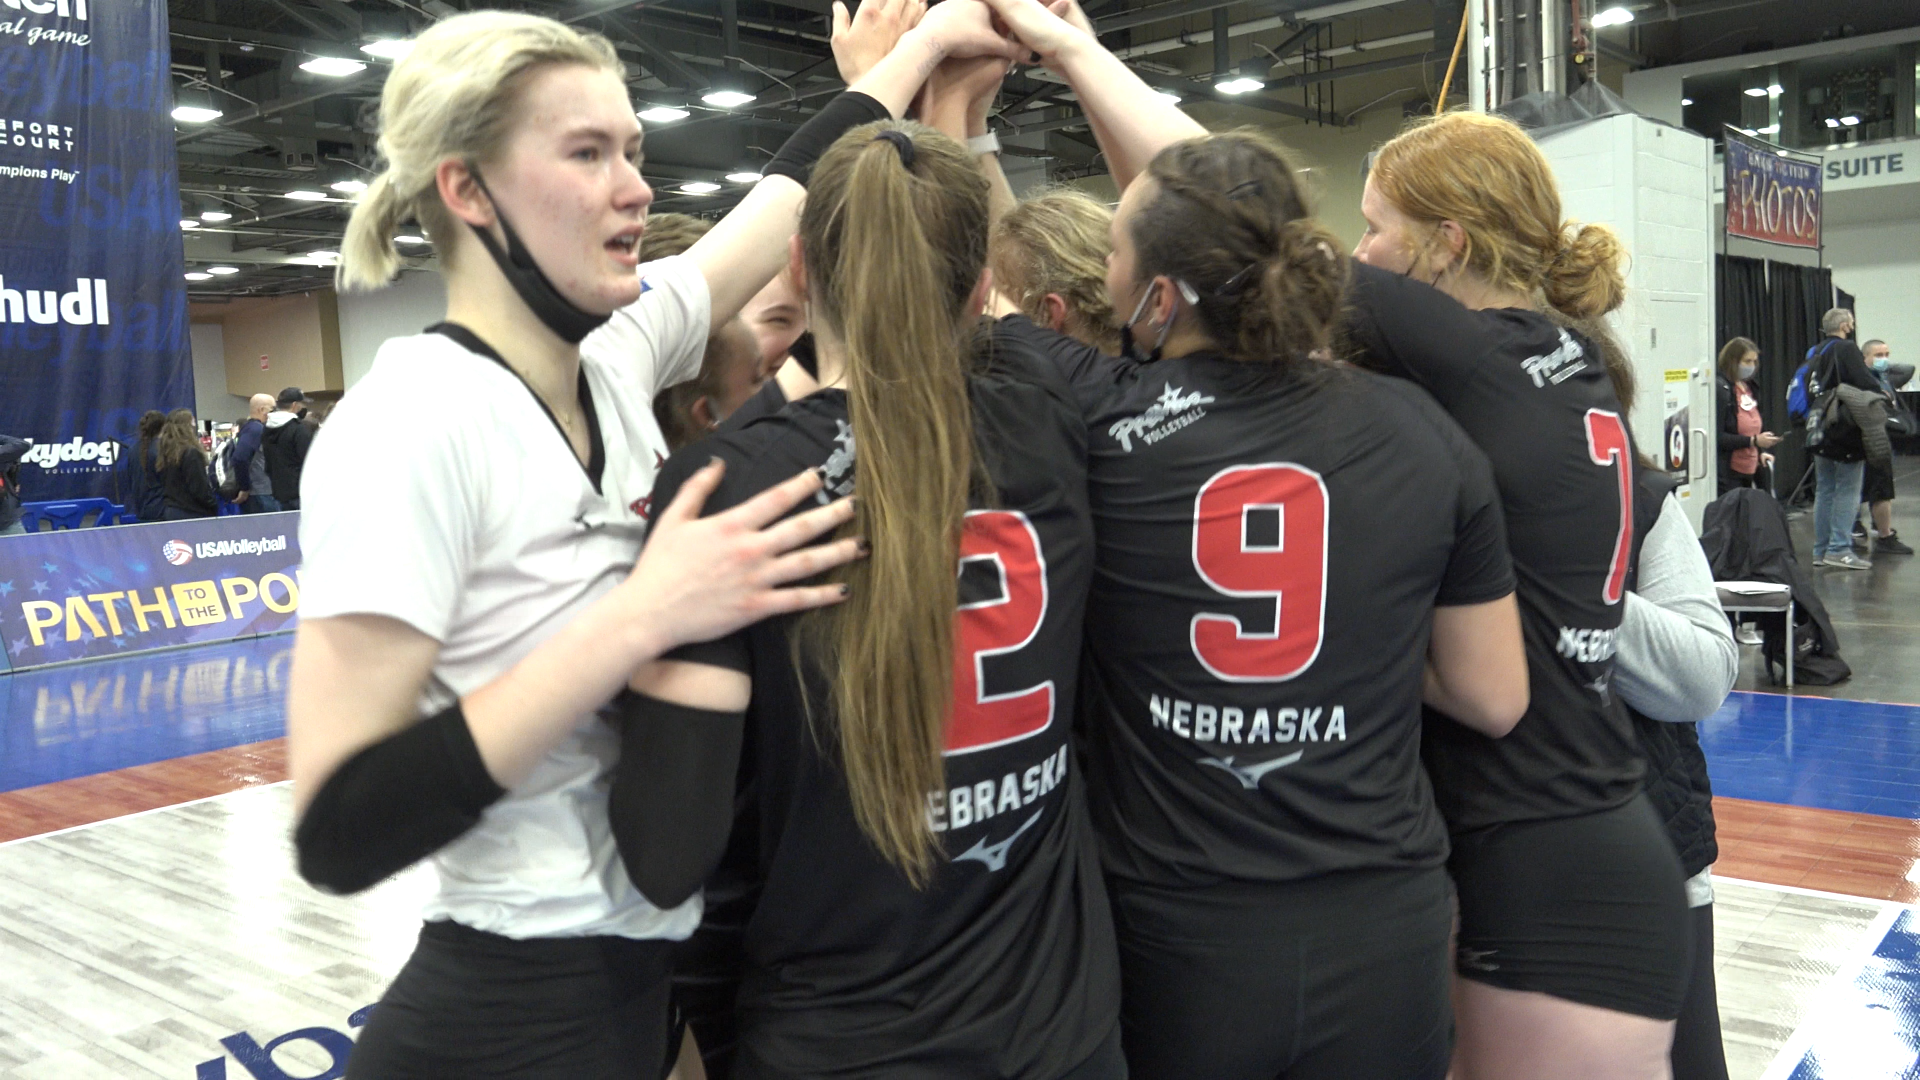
<point x="1206" y="672"/>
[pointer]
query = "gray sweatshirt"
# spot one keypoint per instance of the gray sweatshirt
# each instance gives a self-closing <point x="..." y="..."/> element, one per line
<point x="1675" y="658"/>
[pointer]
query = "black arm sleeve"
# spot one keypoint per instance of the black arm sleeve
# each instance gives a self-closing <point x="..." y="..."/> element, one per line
<point x="1851" y="365"/>
<point x="671" y="804"/>
<point x="393" y="804"/>
<point x="1730" y="438"/>
<point x="796" y="156"/>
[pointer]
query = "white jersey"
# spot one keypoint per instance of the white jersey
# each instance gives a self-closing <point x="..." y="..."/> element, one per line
<point x="443" y="495"/>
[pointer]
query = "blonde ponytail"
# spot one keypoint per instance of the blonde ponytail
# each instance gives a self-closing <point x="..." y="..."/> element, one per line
<point x="452" y="96"/>
<point x="1585" y="278"/>
<point x="894" y="251"/>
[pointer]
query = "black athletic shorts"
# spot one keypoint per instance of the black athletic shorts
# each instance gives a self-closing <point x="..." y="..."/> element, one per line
<point x="476" y="1005"/>
<point x="1591" y="909"/>
<point x="1877" y="484"/>
<point x="1341" y="977"/>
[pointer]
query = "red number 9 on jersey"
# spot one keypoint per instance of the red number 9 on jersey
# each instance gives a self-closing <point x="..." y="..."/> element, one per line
<point x="995" y="627"/>
<point x="1291" y="568"/>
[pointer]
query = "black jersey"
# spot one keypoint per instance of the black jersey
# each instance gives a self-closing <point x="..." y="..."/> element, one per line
<point x="1535" y="396"/>
<point x="1003" y="966"/>
<point x="1270" y="552"/>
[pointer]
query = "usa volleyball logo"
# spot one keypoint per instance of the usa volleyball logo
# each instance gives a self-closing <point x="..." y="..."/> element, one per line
<point x="177" y="552"/>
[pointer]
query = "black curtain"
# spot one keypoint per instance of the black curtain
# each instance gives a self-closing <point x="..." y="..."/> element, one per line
<point x="1778" y="305"/>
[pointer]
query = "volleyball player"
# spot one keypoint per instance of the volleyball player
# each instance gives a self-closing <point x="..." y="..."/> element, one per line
<point x="731" y="369"/>
<point x="928" y="901"/>
<point x="475" y="563"/>
<point x="1290" y="554"/>
<point x="1572" y="948"/>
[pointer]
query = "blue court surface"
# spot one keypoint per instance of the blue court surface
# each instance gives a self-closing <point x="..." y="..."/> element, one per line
<point x="1859" y="756"/>
<point x="1868" y="1027"/>
<point x="76" y="720"/>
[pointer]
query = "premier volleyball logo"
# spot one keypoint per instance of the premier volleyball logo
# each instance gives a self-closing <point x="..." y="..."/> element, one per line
<point x="177" y="552"/>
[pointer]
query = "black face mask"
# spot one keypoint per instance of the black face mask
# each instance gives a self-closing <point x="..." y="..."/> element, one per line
<point x="1129" y="348"/>
<point x="567" y="321"/>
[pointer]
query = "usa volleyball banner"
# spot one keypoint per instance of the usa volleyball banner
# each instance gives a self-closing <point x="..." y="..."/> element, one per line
<point x="81" y="593"/>
<point x="93" y="308"/>
<point x="1770" y="197"/>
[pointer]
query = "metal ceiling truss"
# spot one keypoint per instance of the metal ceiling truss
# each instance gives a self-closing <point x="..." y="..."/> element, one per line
<point x="246" y="55"/>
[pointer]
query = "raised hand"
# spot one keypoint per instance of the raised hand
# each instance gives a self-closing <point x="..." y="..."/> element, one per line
<point x="704" y="578"/>
<point x="1045" y="31"/>
<point x="960" y="92"/>
<point x="861" y="40"/>
<point x="963" y="28"/>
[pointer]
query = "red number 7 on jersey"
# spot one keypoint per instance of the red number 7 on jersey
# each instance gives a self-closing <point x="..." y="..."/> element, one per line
<point x="1292" y="569"/>
<point x="997" y="626"/>
<point x="1607" y="444"/>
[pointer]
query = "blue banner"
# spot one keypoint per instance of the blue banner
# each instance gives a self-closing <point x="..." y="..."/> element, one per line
<point x="81" y="593"/>
<point x="93" y="307"/>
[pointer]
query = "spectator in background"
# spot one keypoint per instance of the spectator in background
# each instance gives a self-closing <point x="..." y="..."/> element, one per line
<point x="285" y="444"/>
<point x="1838" y="462"/>
<point x="1743" y="443"/>
<point x="250" y="459"/>
<point x="183" y="470"/>
<point x="1049" y="258"/>
<point x="1876" y="487"/>
<point x="11" y="451"/>
<point x="149" y="496"/>
<point x="733" y="368"/>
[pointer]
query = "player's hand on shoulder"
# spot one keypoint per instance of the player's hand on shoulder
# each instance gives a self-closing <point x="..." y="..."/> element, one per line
<point x="701" y="578"/>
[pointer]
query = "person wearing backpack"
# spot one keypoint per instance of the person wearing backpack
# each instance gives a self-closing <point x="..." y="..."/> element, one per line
<point x="253" y="489"/>
<point x="285" y="444"/>
<point x="1839" y="454"/>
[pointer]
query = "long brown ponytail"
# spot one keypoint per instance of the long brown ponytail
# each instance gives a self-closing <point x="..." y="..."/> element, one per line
<point x="895" y="239"/>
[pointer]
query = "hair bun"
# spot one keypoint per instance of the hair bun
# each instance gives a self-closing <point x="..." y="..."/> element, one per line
<point x="1586" y="275"/>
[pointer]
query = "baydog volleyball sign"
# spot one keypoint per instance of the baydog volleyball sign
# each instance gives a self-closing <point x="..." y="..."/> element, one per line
<point x="93" y="308"/>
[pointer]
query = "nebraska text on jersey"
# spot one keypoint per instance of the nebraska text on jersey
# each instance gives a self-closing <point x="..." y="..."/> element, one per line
<point x="1164" y="417"/>
<point x="1232" y="724"/>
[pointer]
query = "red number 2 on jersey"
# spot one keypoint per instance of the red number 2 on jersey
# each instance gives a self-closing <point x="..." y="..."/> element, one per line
<point x="995" y="627"/>
<point x="1292" y="570"/>
<point x="1607" y="444"/>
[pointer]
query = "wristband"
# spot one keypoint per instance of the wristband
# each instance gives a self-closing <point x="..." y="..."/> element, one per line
<point x="984" y="144"/>
<point x="804" y="147"/>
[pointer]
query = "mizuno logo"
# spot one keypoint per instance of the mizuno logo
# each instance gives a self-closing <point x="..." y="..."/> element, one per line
<point x="994" y="856"/>
<point x="1249" y="775"/>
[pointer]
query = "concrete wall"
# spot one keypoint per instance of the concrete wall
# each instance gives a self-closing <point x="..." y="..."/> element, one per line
<point x="211" y="400"/>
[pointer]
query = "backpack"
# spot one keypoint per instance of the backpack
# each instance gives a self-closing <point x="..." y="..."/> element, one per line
<point x="1797" y="392"/>
<point x="1825" y="416"/>
<point x="226" y="471"/>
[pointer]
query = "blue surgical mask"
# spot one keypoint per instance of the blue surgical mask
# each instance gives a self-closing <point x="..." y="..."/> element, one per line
<point x="1880" y="363"/>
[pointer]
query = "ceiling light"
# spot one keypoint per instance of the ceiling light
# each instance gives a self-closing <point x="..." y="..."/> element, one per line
<point x="349" y="187"/>
<point x="307" y="196"/>
<point x="388" y="48"/>
<point x="409" y="238"/>
<point x="1756" y="91"/>
<point x="1170" y="96"/>
<point x="1685" y="101"/>
<point x="1832" y="123"/>
<point x="1782" y="153"/>
<point x="726" y="99"/>
<point x="196" y="275"/>
<point x="194" y="114"/>
<point x="1613" y="16"/>
<point x="1770" y="129"/>
<point x="663" y="114"/>
<point x="215" y="215"/>
<point x="334" y="66"/>
<point x="1774" y="90"/>
<point x="1850" y="121"/>
<point x="1746" y="131"/>
<point x="743" y="177"/>
<point x="699" y="187"/>
<point x="189" y="223"/>
<point x="1239" y="85"/>
<point x="323" y="254"/>
<point x="223" y="270"/>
